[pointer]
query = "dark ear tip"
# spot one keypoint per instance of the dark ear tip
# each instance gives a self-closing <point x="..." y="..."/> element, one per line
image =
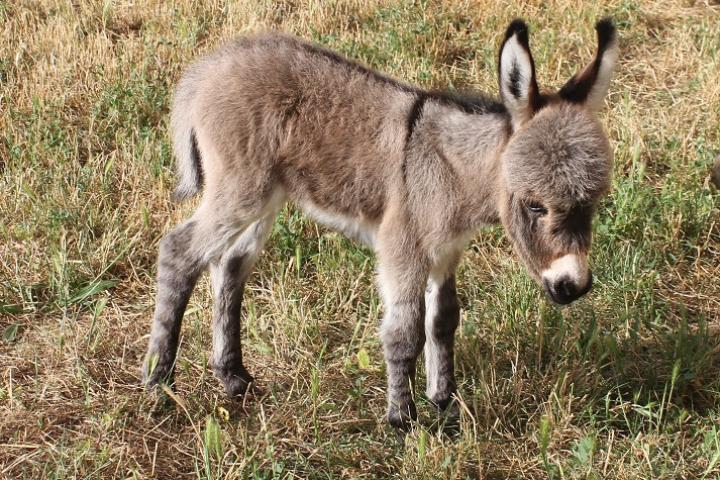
<point x="519" y="27"/>
<point x="605" y="30"/>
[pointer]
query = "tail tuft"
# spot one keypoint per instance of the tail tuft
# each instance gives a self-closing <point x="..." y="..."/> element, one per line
<point x="187" y="154"/>
<point x="189" y="169"/>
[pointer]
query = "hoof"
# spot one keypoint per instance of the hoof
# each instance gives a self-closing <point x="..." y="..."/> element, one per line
<point x="402" y="418"/>
<point x="237" y="382"/>
<point x="160" y="399"/>
<point x="159" y="375"/>
<point x="447" y="414"/>
<point x="237" y="387"/>
<point x="441" y="404"/>
<point x="441" y="400"/>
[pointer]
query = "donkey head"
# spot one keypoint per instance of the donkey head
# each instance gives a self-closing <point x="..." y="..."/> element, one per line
<point x="557" y="163"/>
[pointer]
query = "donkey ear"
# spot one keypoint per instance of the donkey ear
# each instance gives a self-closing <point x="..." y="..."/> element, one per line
<point x="590" y="86"/>
<point x="516" y="69"/>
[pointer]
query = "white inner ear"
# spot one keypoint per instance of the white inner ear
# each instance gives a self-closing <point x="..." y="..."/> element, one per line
<point x="596" y="96"/>
<point x="513" y="57"/>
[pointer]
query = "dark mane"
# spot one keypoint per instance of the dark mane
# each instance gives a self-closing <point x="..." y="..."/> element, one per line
<point x="467" y="102"/>
<point x="471" y="103"/>
<point x="356" y="66"/>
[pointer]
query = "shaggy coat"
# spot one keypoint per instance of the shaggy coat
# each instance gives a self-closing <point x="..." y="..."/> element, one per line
<point x="414" y="174"/>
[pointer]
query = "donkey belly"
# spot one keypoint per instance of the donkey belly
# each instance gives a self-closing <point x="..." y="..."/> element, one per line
<point x="357" y="228"/>
<point x="339" y="188"/>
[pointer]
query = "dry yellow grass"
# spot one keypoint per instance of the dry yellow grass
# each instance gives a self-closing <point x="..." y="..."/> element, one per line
<point x="626" y="384"/>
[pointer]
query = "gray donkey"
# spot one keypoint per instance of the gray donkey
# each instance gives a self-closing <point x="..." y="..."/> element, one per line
<point x="412" y="173"/>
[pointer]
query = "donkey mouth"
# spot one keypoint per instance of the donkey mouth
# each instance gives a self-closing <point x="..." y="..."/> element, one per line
<point x="565" y="291"/>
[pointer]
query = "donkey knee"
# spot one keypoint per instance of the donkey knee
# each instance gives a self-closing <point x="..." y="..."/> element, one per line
<point x="402" y="332"/>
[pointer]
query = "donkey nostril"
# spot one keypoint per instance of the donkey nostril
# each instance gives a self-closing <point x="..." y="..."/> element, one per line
<point x="566" y="288"/>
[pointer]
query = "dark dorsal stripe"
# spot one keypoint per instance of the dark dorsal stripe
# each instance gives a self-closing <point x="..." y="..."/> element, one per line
<point x="356" y="66"/>
<point x="468" y="103"/>
<point x="476" y="104"/>
<point x="578" y="88"/>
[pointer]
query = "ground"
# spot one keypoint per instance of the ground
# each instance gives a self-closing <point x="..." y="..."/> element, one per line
<point x="623" y="384"/>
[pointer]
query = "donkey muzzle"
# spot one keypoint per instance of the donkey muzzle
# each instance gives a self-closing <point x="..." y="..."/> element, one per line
<point x="564" y="290"/>
<point x="567" y="279"/>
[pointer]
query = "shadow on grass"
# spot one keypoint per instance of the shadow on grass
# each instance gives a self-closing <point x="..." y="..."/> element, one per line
<point x="631" y="379"/>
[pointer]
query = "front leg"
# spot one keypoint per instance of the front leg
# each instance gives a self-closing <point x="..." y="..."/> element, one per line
<point x="441" y="321"/>
<point x="402" y="282"/>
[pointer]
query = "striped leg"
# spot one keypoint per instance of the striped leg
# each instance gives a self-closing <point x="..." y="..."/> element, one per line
<point x="441" y="321"/>
<point x="228" y="279"/>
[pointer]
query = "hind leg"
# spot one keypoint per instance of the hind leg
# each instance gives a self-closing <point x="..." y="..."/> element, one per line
<point x="178" y="270"/>
<point x="228" y="279"/>
<point x="184" y="254"/>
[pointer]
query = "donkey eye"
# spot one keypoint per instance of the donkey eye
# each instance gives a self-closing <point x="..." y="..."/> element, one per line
<point x="536" y="208"/>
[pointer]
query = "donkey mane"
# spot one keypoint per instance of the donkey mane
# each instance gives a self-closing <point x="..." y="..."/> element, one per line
<point x="466" y="101"/>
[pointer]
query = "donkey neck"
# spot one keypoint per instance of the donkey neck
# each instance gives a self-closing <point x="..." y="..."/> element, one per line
<point x="472" y="143"/>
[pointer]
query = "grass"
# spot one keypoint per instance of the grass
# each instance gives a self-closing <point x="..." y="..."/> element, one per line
<point x="624" y="384"/>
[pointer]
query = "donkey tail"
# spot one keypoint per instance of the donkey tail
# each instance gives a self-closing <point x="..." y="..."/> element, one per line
<point x="188" y="160"/>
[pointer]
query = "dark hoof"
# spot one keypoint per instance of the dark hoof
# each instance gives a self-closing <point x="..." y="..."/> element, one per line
<point x="448" y="415"/>
<point x="159" y="393"/>
<point x="442" y="404"/>
<point x="237" y="387"/>
<point x="402" y="418"/>
<point x="159" y="376"/>
<point x="442" y="398"/>
<point x="236" y="383"/>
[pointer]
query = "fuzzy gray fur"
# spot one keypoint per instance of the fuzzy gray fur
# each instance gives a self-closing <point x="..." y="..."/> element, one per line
<point x="272" y="118"/>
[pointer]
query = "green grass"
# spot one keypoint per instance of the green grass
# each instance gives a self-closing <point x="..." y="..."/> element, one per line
<point x="624" y="384"/>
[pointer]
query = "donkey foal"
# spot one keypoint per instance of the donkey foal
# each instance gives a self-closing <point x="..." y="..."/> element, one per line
<point x="412" y="173"/>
